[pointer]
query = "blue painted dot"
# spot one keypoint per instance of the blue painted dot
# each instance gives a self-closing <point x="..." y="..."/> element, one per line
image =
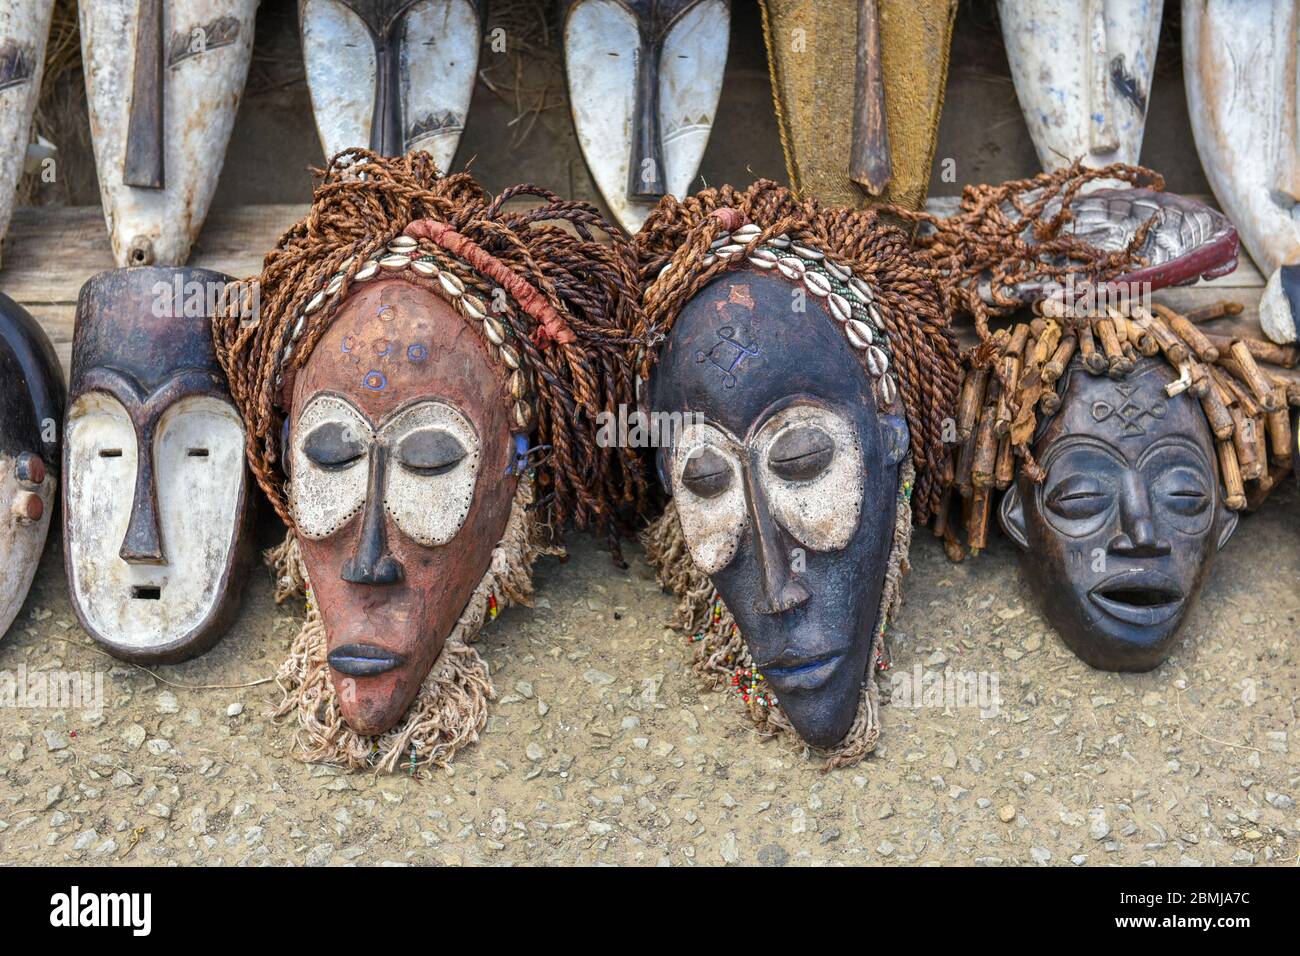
<point x="417" y="352"/>
<point x="375" y="381"/>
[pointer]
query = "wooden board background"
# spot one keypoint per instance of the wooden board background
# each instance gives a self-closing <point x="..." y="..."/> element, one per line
<point x="50" y="252"/>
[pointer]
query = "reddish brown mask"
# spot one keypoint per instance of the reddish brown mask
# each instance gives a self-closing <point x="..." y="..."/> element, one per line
<point x="398" y="449"/>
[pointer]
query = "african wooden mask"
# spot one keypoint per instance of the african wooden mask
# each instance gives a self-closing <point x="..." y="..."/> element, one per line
<point x="786" y="471"/>
<point x="31" y="416"/>
<point x="1121" y="533"/>
<point x="399" y="448"/>
<point x="644" y="81"/>
<point x="155" y="496"/>
<point x="392" y="75"/>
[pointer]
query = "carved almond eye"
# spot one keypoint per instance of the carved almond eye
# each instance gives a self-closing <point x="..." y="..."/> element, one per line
<point x="801" y="454"/>
<point x="1078" y="496"/>
<point x="430" y="451"/>
<point x="707" y="473"/>
<point x="333" y="445"/>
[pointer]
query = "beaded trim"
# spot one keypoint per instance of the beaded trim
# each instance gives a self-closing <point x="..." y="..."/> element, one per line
<point x="399" y="256"/>
<point x="850" y="300"/>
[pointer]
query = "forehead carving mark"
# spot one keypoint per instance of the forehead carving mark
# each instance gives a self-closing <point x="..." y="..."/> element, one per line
<point x="375" y="380"/>
<point x="727" y="354"/>
<point x="1129" y="413"/>
<point x="417" y="352"/>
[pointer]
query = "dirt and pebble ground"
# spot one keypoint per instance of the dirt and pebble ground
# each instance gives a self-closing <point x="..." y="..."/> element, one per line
<point x="603" y="748"/>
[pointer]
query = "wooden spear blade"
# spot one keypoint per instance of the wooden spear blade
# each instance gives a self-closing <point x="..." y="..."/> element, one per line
<point x="870" y="165"/>
<point x="144" y="137"/>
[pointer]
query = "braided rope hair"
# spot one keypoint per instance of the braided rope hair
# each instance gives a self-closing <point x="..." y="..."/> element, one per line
<point x="563" y="338"/>
<point x="924" y="269"/>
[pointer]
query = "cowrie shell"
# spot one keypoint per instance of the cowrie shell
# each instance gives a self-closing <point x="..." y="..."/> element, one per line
<point x="316" y="302"/>
<point x="451" y="283"/>
<point x="746" y="233"/>
<point x="727" y="251"/>
<point x="859" y="333"/>
<point x="473" y="306"/>
<point x="791" y="267"/>
<point x="817" y="284"/>
<point x="395" y="262"/>
<point x="426" y="267"/>
<point x="509" y="356"/>
<point x="874" y="311"/>
<point x="708" y="260"/>
<point x="401" y="245"/>
<point x="781" y="242"/>
<point x="888" y="390"/>
<point x="861" y="290"/>
<point x="367" y="272"/>
<point x="806" y="252"/>
<point x="523" y="414"/>
<point x="335" y="284"/>
<point x="496" y="332"/>
<point x="838" y="272"/>
<point x="877" y="361"/>
<point x="719" y="242"/>
<point x="839" y="307"/>
<point x="763" y="258"/>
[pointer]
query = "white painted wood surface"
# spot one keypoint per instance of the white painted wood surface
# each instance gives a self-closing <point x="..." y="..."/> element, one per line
<point x="439" y="63"/>
<point x="201" y="95"/>
<point x="197" y="498"/>
<point x="1082" y="72"/>
<point x="1243" y="88"/>
<point x="601" y="44"/>
<point x="24" y="29"/>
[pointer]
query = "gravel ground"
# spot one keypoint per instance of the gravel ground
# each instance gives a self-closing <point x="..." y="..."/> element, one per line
<point x="604" y="749"/>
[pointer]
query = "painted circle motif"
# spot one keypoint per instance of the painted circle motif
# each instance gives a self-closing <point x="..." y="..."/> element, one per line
<point x="375" y="380"/>
<point x="417" y="352"/>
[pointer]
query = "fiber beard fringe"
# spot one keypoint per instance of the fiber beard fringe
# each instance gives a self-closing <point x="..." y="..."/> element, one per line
<point x="451" y="708"/>
<point x="720" y="650"/>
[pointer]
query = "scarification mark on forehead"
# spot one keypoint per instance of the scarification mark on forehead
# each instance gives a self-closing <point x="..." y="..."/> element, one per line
<point x="727" y="354"/>
<point x="1127" y="415"/>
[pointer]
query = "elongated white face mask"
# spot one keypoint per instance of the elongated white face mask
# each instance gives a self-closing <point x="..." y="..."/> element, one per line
<point x="422" y="104"/>
<point x="147" y="598"/>
<point x="432" y="462"/>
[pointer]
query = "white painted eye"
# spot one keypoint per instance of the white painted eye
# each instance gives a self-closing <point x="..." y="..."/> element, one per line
<point x="340" y="60"/>
<point x="709" y="489"/>
<point x="433" y="464"/>
<point x="809" y="460"/>
<point x="329" y="469"/>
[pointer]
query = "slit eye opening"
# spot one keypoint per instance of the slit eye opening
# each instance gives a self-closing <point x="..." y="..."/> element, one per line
<point x="110" y="453"/>
<point x="197" y="453"/>
<point x="144" y="592"/>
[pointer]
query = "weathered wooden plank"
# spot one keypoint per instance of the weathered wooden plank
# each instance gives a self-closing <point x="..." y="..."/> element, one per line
<point x="51" y="251"/>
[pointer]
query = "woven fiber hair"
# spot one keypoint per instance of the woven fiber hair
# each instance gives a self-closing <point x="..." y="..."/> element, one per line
<point x="571" y="308"/>
<point x="1014" y="383"/>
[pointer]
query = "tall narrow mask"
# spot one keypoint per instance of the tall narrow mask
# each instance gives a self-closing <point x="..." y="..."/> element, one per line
<point x="644" y="81"/>
<point x="163" y="83"/>
<point x="392" y="75"/>
<point x="24" y="29"/>
<point x="155" y="493"/>
<point x="31" y="418"/>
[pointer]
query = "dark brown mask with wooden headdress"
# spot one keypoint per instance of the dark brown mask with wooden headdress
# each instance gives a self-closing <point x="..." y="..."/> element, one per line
<point x="428" y="356"/>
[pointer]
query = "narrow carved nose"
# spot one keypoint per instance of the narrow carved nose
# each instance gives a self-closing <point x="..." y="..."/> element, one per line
<point x="142" y="543"/>
<point x="370" y="562"/>
<point x="779" y="589"/>
<point x="1137" y="537"/>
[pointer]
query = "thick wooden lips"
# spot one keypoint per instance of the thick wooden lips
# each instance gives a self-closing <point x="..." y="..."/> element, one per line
<point x="399" y="442"/>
